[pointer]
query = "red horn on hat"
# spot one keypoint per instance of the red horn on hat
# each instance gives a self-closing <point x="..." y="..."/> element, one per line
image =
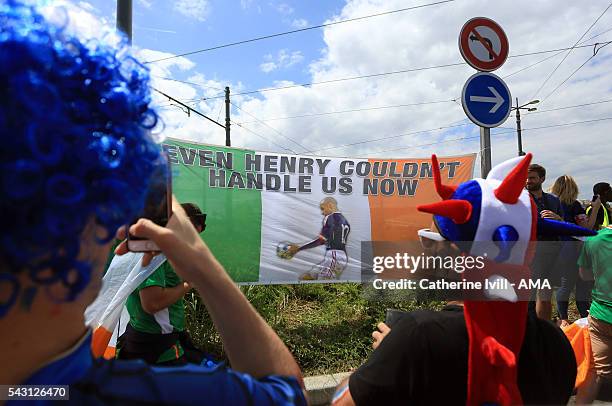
<point x="444" y="191"/>
<point x="513" y="185"/>
<point x="459" y="211"/>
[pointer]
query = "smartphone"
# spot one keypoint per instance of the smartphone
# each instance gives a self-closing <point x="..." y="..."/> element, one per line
<point x="393" y="316"/>
<point x="158" y="205"/>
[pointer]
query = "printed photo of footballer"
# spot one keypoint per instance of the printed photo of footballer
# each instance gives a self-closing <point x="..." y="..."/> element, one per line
<point x="334" y="235"/>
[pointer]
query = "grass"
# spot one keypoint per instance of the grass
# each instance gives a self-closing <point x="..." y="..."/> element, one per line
<point x="327" y="327"/>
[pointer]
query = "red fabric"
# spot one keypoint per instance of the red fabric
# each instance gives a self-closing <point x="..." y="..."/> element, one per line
<point x="496" y="330"/>
<point x="444" y="191"/>
<point x="457" y="210"/>
<point x="514" y="183"/>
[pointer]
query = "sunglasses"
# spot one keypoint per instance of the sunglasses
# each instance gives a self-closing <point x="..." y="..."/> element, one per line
<point x="428" y="237"/>
<point x="200" y="219"/>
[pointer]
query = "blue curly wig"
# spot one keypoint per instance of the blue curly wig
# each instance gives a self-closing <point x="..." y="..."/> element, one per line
<point x="75" y="140"/>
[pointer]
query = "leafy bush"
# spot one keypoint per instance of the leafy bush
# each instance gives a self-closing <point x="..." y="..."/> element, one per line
<point x="327" y="327"/>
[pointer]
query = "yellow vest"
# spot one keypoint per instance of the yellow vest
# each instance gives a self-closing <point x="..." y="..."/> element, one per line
<point x="606" y="220"/>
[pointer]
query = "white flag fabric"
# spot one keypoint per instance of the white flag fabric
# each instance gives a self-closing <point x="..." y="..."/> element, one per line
<point x="107" y="313"/>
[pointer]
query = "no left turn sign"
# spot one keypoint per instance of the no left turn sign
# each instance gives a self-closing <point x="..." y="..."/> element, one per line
<point x="483" y="44"/>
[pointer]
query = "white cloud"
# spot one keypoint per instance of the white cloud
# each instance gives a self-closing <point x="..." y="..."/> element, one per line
<point x="299" y="23"/>
<point x="181" y="62"/>
<point x="418" y="38"/>
<point x="245" y="4"/>
<point x="268" y="67"/>
<point x="83" y="18"/>
<point x="88" y="7"/>
<point x="428" y="37"/>
<point x="284" y="8"/>
<point x="145" y="3"/>
<point x="284" y="59"/>
<point x="197" y="9"/>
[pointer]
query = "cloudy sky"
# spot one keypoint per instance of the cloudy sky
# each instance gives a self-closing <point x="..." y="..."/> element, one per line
<point x="412" y="113"/>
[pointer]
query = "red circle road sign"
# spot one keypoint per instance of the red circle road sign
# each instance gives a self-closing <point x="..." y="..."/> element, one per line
<point x="483" y="44"/>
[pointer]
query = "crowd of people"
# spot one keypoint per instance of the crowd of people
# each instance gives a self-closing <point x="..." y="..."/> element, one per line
<point x="75" y="121"/>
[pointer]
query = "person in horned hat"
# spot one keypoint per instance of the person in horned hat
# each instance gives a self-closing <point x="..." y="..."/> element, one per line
<point x="485" y="349"/>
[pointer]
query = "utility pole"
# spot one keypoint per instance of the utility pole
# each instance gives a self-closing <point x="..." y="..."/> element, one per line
<point x="518" y="130"/>
<point x="124" y="18"/>
<point x="228" y="142"/>
<point x="518" y="122"/>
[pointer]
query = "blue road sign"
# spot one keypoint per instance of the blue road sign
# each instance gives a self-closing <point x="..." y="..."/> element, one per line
<point x="486" y="99"/>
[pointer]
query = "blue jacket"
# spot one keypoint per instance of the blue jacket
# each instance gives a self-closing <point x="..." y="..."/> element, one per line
<point x="102" y="382"/>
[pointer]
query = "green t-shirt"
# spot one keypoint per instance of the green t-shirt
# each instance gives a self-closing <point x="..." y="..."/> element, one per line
<point x="168" y="320"/>
<point x="597" y="256"/>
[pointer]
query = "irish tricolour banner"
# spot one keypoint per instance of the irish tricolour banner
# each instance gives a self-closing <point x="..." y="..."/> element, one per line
<point x="276" y="218"/>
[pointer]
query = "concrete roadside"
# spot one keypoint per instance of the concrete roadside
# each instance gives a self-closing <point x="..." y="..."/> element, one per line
<point x="321" y="388"/>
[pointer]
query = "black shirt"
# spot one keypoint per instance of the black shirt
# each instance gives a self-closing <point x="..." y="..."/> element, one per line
<point x="600" y="216"/>
<point x="571" y="211"/>
<point x="423" y="361"/>
<point x="548" y="202"/>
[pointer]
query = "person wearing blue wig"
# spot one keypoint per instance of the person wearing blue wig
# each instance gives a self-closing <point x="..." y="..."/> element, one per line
<point x="77" y="153"/>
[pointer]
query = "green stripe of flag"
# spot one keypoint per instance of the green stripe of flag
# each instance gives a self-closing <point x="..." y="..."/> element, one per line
<point x="233" y="230"/>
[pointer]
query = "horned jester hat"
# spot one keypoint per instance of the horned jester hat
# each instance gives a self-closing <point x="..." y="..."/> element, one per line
<point x="495" y="218"/>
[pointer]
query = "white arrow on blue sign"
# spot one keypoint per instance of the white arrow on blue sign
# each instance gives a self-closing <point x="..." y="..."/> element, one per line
<point x="486" y="99"/>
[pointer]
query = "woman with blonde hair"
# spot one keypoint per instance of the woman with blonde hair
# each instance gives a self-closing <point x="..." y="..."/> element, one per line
<point x="566" y="189"/>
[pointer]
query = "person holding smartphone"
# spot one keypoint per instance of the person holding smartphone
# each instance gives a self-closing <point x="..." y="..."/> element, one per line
<point x="77" y="156"/>
<point x="600" y="215"/>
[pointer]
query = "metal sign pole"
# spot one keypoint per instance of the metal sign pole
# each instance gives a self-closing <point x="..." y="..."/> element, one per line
<point x="485" y="151"/>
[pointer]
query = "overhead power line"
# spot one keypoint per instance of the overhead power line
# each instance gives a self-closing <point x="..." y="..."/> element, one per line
<point x="607" y="30"/>
<point x="188" y="83"/>
<point x="264" y="138"/>
<point x="428" y="144"/>
<point x="272" y="128"/>
<point x="451" y="125"/>
<point x="381" y="74"/>
<point x="595" y="51"/>
<point x="569" y="52"/>
<point x="324" y="82"/>
<point x="393" y="106"/>
<point x="300" y="30"/>
<point x="558" y="53"/>
<point x="561" y="125"/>
<point x="495" y="134"/>
<point x="568" y="107"/>
<point x="459" y="123"/>
<point x="563" y="108"/>
<point x="387" y="138"/>
<point x="326" y="113"/>
<point x="189" y="108"/>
